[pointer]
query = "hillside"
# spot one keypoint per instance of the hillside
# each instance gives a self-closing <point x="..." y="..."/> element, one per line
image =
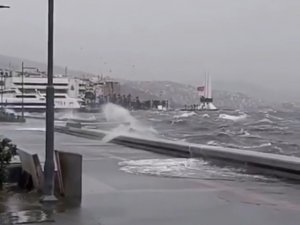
<point x="179" y="94"/>
<point x="182" y="94"/>
<point x="16" y="64"/>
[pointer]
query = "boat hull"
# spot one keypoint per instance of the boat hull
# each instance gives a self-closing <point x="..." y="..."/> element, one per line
<point x="34" y="108"/>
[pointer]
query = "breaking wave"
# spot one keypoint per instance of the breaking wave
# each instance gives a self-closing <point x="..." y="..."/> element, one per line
<point x="232" y="117"/>
<point x="128" y="125"/>
<point x="205" y="116"/>
<point x="73" y="116"/>
<point x="185" y="115"/>
<point x="42" y="129"/>
<point x="231" y="145"/>
<point x="254" y="131"/>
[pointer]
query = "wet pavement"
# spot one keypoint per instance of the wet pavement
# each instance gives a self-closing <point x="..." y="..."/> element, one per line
<point x="113" y="196"/>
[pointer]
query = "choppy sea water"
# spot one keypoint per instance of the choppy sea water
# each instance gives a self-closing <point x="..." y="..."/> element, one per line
<point x="265" y="131"/>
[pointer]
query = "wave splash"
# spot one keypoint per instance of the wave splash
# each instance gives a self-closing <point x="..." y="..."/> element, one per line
<point x="185" y="115"/>
<point x="73" y="116"/>
<point x="232" y="117"/>
<point x="186" y="168"/>
<point x="128" y="125"/>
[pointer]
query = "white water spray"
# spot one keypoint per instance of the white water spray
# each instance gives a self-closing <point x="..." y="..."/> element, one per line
<point x="10" y="111"/>
<point x="70" y="115"/>
<point x="232" y="117"/>
<point x="128" y="125"/>
<point x="116" y="113"/>
<point x="185" y="115"/>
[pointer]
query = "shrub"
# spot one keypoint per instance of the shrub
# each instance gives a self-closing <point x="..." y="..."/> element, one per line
<point x="7" y="151"/>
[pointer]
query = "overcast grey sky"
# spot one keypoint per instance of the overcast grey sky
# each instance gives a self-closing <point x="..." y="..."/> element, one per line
<point x="250" y="40"/>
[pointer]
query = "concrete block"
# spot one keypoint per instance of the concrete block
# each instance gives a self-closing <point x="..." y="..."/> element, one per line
<point x="69" y="174"/>
<point x="32" y="166"/>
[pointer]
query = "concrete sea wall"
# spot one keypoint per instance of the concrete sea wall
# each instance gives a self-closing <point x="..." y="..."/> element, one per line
<point x="278" y="165"/>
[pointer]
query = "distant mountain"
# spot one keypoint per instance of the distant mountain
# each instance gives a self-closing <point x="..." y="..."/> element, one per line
<point x="182" y="94"/>
<point x="256" y="91"/>
<point x="15" y="63"/>
<point x="226" y="94"/>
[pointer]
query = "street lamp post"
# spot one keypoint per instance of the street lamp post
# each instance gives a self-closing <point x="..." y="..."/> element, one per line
<point x="49" y="162"/>
<point x="22" y="90"/>
<point x="2" y="90"/>
<point x="2" y="76"/>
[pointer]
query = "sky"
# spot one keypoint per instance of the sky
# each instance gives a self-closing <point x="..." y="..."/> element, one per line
<point x="254" y="41"/>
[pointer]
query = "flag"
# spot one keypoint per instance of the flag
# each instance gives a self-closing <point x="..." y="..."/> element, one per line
<point x="201" y="90"/>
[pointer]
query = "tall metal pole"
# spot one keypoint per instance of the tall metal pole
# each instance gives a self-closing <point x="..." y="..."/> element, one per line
<point x="2" y="76"/>
<point x="22" y="90"/>
<point x="2" y="89"/>
<point x="49" y="163"/>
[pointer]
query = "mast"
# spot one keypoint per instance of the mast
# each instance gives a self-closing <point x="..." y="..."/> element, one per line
<point x="205" y="85"/>
<point x="66" y="71"/>
<point x="2" y="89"/>
<point x="209" y="93"/>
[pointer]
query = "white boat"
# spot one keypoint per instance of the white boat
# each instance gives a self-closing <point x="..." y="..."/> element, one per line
<point x="13" y="99"/>
<point x="162" y="108"/>
<point x="29" y="91"/>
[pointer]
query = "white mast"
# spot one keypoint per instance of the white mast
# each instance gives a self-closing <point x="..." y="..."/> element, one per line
<point x="210" y="105"/>
<point x="206" y="103"/>
<point x="205" y="86"/>
<point x="209" y="94"/>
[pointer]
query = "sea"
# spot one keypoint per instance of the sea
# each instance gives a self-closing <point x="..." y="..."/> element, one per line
<point x="265" y="130"/>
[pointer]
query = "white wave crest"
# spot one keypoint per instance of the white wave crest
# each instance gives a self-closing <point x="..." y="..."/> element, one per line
<point x="10" y="111"/>
<point x="73" y="116"/>
<point x="258" y="146"/>
<point x="232" y="117"/>
<point x="212" y="143"/>
<point x="184" y="115"/>
<point x="205" y="116"/>
<point x="265" y="120"/>
<point x="263" y="145"/>
<point x="154" y="119"/>
<point x="245" y="134"/>
<point x="273" y="117"/>
<point x="31" y="129"/>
